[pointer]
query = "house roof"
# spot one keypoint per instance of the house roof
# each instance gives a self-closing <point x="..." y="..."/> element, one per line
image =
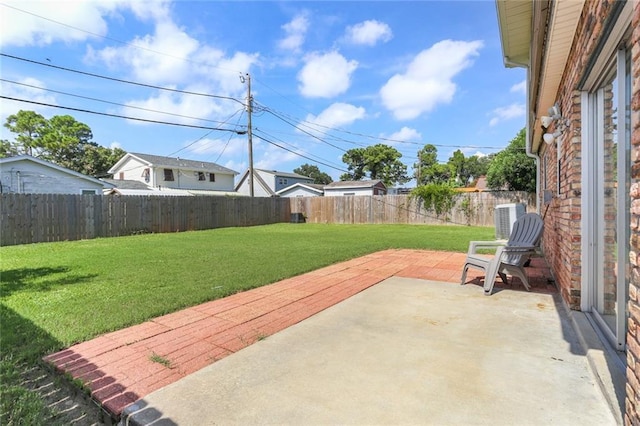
<point x="285" y="174"/>
<point x="25" y="157"/>
<point x="173" y="162"/>
<point x="311" y="187"/>
<point x="355" y="184"/>
<point x="128" y="184"/>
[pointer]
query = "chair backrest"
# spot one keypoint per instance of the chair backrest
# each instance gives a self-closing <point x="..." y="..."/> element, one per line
<point x="526" y="231"/>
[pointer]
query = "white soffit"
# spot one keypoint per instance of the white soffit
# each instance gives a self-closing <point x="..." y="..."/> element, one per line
<point x="562" y="28"/>
<point x="515" y="31"/>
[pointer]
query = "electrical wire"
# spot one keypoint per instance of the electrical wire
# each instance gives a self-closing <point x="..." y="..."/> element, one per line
<point x="119" y="80"/>
<point x="298" y="154"/>
<point x="120" y="116"/>
<point x="317" y="158"/>
<point x="110" y="102"/>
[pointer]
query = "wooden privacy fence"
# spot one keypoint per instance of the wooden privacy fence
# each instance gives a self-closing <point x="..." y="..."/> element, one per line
<point x="475" y="208"/>
<point x="33" y="218"/>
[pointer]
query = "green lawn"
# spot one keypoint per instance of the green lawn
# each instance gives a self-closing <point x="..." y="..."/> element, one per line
<point x="56" y="294"/>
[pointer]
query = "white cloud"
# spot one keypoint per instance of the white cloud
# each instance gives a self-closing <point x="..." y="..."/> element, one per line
<point x="295" y="31"/>
<point x="405" y="134"/>
<point x="427" y="81"/>
<point x="171" y="57"/>
<point x="519" y="88"/>
<point x="175" y="103"/>
<point x="325" y="75"/>
<point x="273" y="158"/>
<point x="22" y="28"/>
<point x="337" y="115"/>
<point x="156" y="59"/>
<point x="506" y="113"/>
<point x="369" y="33"/>
<point x="115" y="145"/>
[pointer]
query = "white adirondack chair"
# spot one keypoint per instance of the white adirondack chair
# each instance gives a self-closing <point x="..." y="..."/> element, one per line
<point x="510" y="257"/>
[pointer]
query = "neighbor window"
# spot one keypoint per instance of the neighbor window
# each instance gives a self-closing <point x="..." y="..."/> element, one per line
<point x="201" y="176"/>
<point x="146" y="174"/>
<point x="212" y="177"/>
<point x="88" y="192"/>
<point x="168" y="174"/>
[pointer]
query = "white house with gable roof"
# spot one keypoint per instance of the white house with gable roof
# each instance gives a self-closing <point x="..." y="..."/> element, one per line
<point x="157" y="172"/>
<point x="24" y="174"/>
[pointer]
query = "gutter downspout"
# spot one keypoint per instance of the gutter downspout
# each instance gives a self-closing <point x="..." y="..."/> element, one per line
<point x="528" y="143"/>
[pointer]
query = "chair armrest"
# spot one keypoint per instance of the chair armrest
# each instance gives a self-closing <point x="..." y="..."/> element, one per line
<point x="518" y="249"/>
<point x="475" y="245"/>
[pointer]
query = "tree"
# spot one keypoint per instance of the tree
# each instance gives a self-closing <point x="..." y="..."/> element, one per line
<point x="427" y="158"/>
<point x="61" y="139"/>
<point x="512" y="169"/>
<point x="313" y="172"/>
<point x="375" y="162"/>
<point x="458" y="169"/>
<point x="29" y="127"/>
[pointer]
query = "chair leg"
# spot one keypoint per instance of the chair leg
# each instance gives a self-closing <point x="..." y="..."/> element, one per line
<point x="464" y="274"/>
<point x="520" y="274"/>
<point x="492" y="271"/>
<point x="503" y="277"/>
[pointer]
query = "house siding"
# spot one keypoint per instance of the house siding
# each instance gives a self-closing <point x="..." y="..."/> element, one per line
<point x="27" y="177"/>
<point x="632" y="403"/>
<point x="134" y="169"/>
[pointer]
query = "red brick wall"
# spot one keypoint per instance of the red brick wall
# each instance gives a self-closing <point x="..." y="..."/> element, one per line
<point x="633" y="339"/>
<point x="562" y="233"/>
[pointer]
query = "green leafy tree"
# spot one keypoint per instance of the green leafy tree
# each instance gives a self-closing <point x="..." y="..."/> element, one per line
<point x="29" y="127"/>
<point x="512" y="169"/>
<point x="62" y="140"/>
<point x="427" y="158"/>
<point x="7" y="149"/>
<point x="314" y="173"/>
<point x="375" y="162"/>
<point x="459" y="171"/>
<point x="439" y="173"/>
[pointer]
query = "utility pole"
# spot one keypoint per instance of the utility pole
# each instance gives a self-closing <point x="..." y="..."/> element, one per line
<point x="249" y="131"/>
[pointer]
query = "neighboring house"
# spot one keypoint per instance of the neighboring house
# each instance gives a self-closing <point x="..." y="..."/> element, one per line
<point x="583" y="129"/>
<point x="24" y="174"/>
<point x="302" y="190"/>
<point x="173" y="173"/>
<point x="355" y="187"/>
<point x="266" y="183"/>
<point x="480" y="185"/>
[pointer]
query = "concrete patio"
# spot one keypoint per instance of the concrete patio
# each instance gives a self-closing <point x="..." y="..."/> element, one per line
<point x="331" y="346"/>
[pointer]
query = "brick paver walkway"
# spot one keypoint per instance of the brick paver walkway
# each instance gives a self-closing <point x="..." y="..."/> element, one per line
<point x="121" y="367"/>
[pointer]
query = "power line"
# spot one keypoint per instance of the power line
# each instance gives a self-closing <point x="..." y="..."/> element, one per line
<point x="228" y="139"/>
<point x="121" y="116"/>
<point x="119" y="80"/>
<point x="379" y="138"/>
<point x="298" y="154"/>
<point x="205" y="135"/>
<point x="112" y="103"/>
<point x="317" y="159"/>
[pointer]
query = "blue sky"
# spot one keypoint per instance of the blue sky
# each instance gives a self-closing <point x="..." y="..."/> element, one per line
<point x="326" y="76"/>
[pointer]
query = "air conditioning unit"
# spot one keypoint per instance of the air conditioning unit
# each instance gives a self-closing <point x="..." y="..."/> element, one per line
<point x="505" y="216"/>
